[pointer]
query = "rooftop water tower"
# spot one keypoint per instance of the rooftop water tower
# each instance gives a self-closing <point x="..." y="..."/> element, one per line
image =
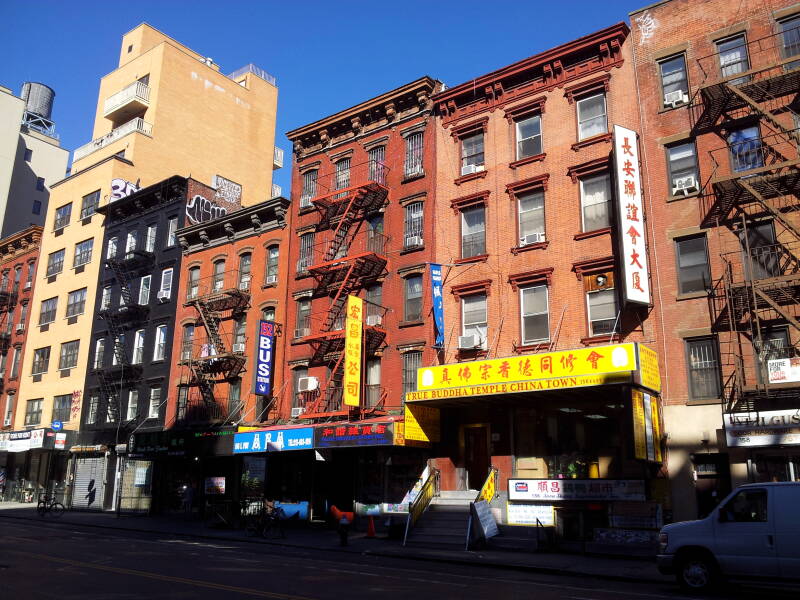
<point x="38" y="107"/>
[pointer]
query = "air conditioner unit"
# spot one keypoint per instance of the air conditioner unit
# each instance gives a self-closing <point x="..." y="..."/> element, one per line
<point x="20" y="327"/>
<point x="27" y="285"/>
<point x="468" y="342"/>
<point x="7" y="422"/>
<point x="244" y="285"/>
<point x="297" y="411"/>
<point x="531" y="238"/>
<point x="685" y="185"/>
<point x="271" y="279"/>
<point x="676" y="98"/>
<point x="413" y="240"/>
<point x="302" y="332"/>
<point x="307" y="384"/>
<point x="470" y="169"/>
<point x="374" y="320"/>
<point x="238" y="347"/>
<point x="162" y="296"/>
<point x="2" y="372"/>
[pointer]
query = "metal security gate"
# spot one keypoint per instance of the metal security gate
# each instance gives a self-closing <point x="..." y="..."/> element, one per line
<point x="136" y="489"/>
<point x="88" y="490"/>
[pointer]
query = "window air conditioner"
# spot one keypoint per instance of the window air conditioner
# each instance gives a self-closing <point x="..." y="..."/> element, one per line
<point x="413" y="240"/>
<point x="468" y="342"/>
<point x="531" y="238"/>
<point x="307" y="384"/>
<point x="271" y="279"/>
<point x="238" y="347"/>
<point x="162" y="296"/>
<point x="468" y="169"/>
<point x="244" y="285"/>
<point x="297" y="411"/>
<point x="27" y="285"/>
<point x="2" y="372"/>
<point x="7" y="422"/>
<point x="302" y="332"/>
<point x="374" y="320"/>
<point x="685" y="185"/>
<point x="20" y="327"/>
<point x="676" y="98"/>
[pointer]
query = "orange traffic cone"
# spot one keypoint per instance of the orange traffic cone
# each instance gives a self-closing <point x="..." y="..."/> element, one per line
<point x="371" y="528"/>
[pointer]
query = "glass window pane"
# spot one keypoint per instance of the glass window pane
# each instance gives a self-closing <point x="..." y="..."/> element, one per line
<point x="703" y="368"/>
<point x="693" y="268"/>
<point x="682" y="161"/>
<point x="673" y="75"/>
<point x="592" y="116"/>
<point x="596" y="197"/>
<point x="531" y="217"/>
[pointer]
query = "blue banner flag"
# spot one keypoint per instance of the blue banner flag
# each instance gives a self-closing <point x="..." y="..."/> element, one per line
<point x="265" y="356"/>
<point x="438" y="304"/>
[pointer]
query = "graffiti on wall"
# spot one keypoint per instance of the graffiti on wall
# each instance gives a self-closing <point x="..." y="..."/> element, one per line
<point x="120" y="188"/>
<point x="227" y="198"/>
<point x="227" y="191"/>
<point x="647" y="26"/>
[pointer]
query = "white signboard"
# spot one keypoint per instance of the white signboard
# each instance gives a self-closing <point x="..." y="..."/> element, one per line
<point x="576" y="489"/>
<point x="140" y="479"/>
<point x="784" y="370"/>
<point x="766" y="428"/>
<point x="528" y="514"/>
<point x="37" y="438"/>
<point x="61" y="441"/>
<point x="3" y="442"/>
<point x="19" y="441"/>
<point x="630" y="216"/>
<point x="484" y="519"/>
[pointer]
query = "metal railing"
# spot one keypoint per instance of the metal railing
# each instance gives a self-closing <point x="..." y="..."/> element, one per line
<point x="138" y="90"/>
<point x="420" y="504"/>
<point x="336" y="184"/>
<point x="205" y="350"/>
<point x="745" y="157"/>
<point x="327" y="248"/>
<point x="257" y="71"/>
<point x="767" y="261"/>
<point x="277" y="158"/>
<point x="134" y="125"/>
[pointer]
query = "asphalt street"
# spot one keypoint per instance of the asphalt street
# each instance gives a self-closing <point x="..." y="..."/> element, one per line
<point x="64" y="561"/>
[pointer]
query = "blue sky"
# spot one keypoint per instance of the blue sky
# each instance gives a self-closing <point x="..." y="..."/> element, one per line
<point x="326" y="55"/>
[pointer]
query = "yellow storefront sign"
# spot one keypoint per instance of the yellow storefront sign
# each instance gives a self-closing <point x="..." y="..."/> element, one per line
<point x="422" y="423"/>
<point x="649" y="375"/>
<point x="352" y="349"/>
<point x="639" y="427"/>
<point x="646" y="426"/>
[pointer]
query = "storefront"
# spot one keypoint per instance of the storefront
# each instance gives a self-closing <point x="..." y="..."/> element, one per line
<point x="33" y="462"/>
<point x="768" y="442"/>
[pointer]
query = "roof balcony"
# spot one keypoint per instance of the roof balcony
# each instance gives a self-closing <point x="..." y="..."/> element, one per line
<point x="130" y="101"/>
<point x="137" y="125"/>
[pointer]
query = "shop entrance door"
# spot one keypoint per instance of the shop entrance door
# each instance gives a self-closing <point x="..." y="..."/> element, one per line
<point x="476" y="455"/>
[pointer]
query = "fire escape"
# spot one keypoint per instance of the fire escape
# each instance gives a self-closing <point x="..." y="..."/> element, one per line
<point x="8" y="300"/>
<point x="347" y="256"/>
<point x="220" y="356"/>
<point x="751" y="198"/>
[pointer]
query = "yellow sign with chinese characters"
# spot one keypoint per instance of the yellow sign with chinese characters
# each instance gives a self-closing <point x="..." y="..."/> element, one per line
<point x="565" y="369"/>
<point x="639" y="426"/>
<point x="353" y="326"/>
<point x="422" y="423"/>
<point x="649" y="375"/>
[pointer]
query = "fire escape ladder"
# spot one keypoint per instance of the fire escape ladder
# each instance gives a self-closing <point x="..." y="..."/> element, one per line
<point x="203" y="383"/>
<point x="344" y="229"/>
<point x="340" y="299"/>
<point x="770" y="209"/>
<point x="765" y="113"/>
<point x="778" y="308"/>
<point x="121" y="275"/>
<point x="211" y="323"/>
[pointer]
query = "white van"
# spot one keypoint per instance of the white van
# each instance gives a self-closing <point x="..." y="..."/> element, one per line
<point x="753" y="534"/>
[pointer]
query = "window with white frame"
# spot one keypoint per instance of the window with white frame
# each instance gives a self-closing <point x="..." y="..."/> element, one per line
<point x="150" y="238"/>
<point x="377" y="170"/>
<point x="273" y="253"/>
<point x="303" y="317"/>
<point x="133" y="405"/>
<point x="413" y="225"/>
<point x="144" y="289"/>
<point x="155" y="403"/>
<point x="531" y="218"/>
<point x="91" y="410"/>
<point x="23" y="313"/>
<point x="17" y="277"/>
<point x="674" y="83"/>
<point x="529" y="136"/>
<point x="4" y="282"/>
<point x="99" y="353"/>
<point x="309" y="188"/>
<point x="733" y="57"/>
<point x="592" y="119"/>
<point x="682" y="163"/>
<point x="187" y="343"/>
<point x="472" y="159"/>
<point x="790" y="40"/>
<point x="112" y="408"/>
<point x="138" y="347"/>
<point x="63" y="214"/>
<point x="245" y="268"/>
<point x="9" y="410"/>
<point x="413" y="299"/>
<point x="239" y="329"/>
<point x="601" y="303"/>
<point x="111" y="248"/>
<point x="29" y="274"/>
<point x="55" y="262"/>
<point x="268" y="314"/>
<point x="68" y="358"/>
<point x="165" y="292"/>
<point x="76" y="302"/>
<point x="473" y="231"/>
<point x="596" y="202"/>
<point x="172" y="228"/>
<point x="47" y="314"/>
<point x="474" y="320"/>
<point x="118" y="350"/>
<point x="218" y="280"/>
<point x="83" y="253"/>
<point x="105" y="298"/>
<point x="131" y="240"/>
<point x="89" y="204"/>
<point x="535" y="314"/>
<point x="15" y="362"/>
<point x="41" y="361"/>
<point x="412" y="166"/>
<point x="193" y="284"/>
<point x="342" y="179"/>
<point x="702" y="357"/>
<point x="160" y="346"/>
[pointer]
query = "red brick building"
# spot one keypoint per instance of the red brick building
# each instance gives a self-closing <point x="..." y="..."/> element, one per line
<point x="717" y="84"/>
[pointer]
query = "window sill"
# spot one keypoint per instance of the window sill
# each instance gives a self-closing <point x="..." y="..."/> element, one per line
<point x="703" y="401"/>
<point x="527" y="160"/>
<point x="403" y="324"/>
<point x="528" y="247"/>
<point x="472" y="354"/>
<point x="590" y="234"/>
<point x="304" y="210"/>
<point x="86" y="220"/>
<point x="472" y="259"/>
<point x="682" y="197"/>
<point x="666" y="109"/>
<point x="409" y="178"/>
<point x="599" y="339"/>
<point x="597" y="139"/>
<point x="269" y="285"/>
<point x="692" y="295"/>
<point x="411" y="249"/>
<point x="537" y="347"/>
<point x="470" y="177"/>
<point x="302" y="275"/>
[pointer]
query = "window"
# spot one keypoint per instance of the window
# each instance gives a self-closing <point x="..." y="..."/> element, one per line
<point x="63" y="214"/>
<point x="377" y="170"/>
<point x="76" y="302"/>
<point x="40" y="184"/>
<point x="187" y="342"/>
<point x="472" y="153"/>
<point x="9" y="321"/>
<point x="133" y="405"/>
<point x="748" y="506"/>
<point x="68" y="359"/>
<point x="693" y="269"/>
<point x="99" y="353"/>
<point x="298" y="374"/>
<point x="531" y="218"/>
<point x="33" y="412"/>
<point x="309" y="188"/>
<point x="83" y="253"/>
<point x="529" y="136"/>
<point x="41" y="361"/>
<point x="413" y="303"/>
<point x="28" y="155"/>
<point x="474" y="319"/>
<point x="413" y="163"/>
<point x="535" y="314"/>
<point x="372" y="382"/>
<point x="111" y="249"/>
<point x="138" y="347"/>
<point x="272" y="264"/>
<point x="36" y="208"/>
<point x="183" y="400"/>
<point x="342" y="180"/>
<point x="150" y="238"/>
<point x="596" y="202"/>
<point x="682" y="163"/>
<point x="160" y="346"/>
<point x="9" y="409"/>
<point x="131" y="240"/>
<point x="412" y="225"/>
<point x="674" y="83"/>
<point x="592" y="116"/>
<point x="374" y="304"/>
<point x="239" y="328"/>
<point x="306" y="252"/>
<point x="172" y="228"/>
<point x="4" y="282"/>
<point x="601" y="302"/>
<point x="733" y="58"/>
<point x="15" y="362"/>
<point x="119" y="350"/>
<point x="105" y="299"/>
<point x="234" y="399"/>
<point x="91" y="410"/>
<point x="17" y="277"/>
<point x="245" y="266"/>
<point x="790" y="38"/>
<point x="166" y="284"/>
<point x="29" y="274"/>
<point x="47" y="314"/>
<point x="268" y="314"/>
<point x="473" y="232"/>
<point x="703" y="363"/>
<point x="144" y="289"/>
<point x="219" y="275"/>
<point x="303" y="318"/>
<point x="411" y="362"/>
<point x="89" y="204"/>
<point x="23" y="313"/>
<point x="155" y="403"/>
<point x="61" y="407"/>
<point x="55" y="262"/>
<point x="746" y="151"/>
<point x="112" y="408"/>
<point x="193" y="285"/>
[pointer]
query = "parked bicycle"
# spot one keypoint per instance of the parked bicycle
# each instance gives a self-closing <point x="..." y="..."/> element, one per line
<point x="267" y="522"/>
<point x="48" y="505"/>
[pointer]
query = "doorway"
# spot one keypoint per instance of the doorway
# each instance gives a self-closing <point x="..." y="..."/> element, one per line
<point x="476" y="454"/>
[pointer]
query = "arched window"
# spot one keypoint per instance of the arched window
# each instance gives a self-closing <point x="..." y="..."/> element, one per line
<point x="245" y="264"/>
<point x="193" y="285"/>
<point x="272" y="265"/>
<point x="268" y="313"/>
<point x="219" y="275"/>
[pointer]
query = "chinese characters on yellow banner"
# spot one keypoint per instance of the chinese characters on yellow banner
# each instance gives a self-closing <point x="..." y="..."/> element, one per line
<point x="646" y="426"/>
<point x="352" y="350"/>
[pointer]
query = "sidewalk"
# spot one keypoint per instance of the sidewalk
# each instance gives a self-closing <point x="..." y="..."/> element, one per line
<point x="618" y="569"/>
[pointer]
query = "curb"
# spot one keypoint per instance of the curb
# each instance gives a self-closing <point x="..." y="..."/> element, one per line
<point x="421" y="556"/>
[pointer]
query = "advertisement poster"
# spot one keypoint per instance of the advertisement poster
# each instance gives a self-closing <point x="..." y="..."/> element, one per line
<point x="422" y="423"/>
<point x="351" y="434"/>
<point x="438" y="304"/>
<point x="274" y="440"/>
<point x="527" y="514"/>
<point x="265" y="356"/>
<point x="215" y="486"/>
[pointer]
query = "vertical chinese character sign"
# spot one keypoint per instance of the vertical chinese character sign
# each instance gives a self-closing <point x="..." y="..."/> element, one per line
<point x="352" y="351"/>
<point x="630" y="214"/>
<point x="265" y="356"/>
<point x="438" y="304"/>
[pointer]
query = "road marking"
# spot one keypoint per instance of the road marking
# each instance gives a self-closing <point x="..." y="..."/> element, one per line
<point x="150" y="575"/>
